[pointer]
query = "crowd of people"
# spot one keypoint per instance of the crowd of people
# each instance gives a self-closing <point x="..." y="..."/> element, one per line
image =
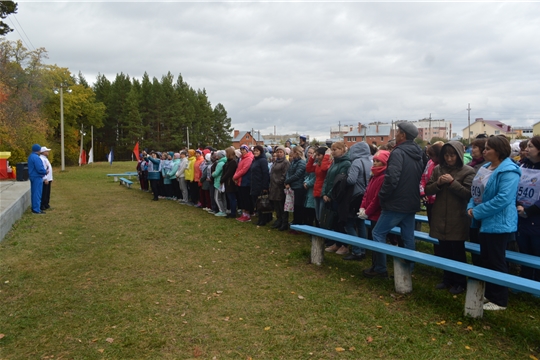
<point x="486" y="193"/>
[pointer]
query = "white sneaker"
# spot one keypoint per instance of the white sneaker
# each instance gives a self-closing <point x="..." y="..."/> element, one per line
<point x="493" y="307"/>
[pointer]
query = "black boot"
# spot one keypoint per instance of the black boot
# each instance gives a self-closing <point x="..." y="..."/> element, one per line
<point x="262" y="219"/>
<point x="284" y="221"/>
<point x="276" y="224"/>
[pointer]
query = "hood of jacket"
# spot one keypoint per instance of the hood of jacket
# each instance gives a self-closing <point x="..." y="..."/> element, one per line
<point x="459" y="149"/>
<point x="359" y="150"/>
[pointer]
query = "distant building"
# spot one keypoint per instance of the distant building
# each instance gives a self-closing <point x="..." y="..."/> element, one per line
<point x="245" y="137"/>
<point x="523" y="131"/>
<point x="430" y="128"/>
<point x="488" y="128"/>
<point x="339" y="131"/>
<point x="373" y="134"/>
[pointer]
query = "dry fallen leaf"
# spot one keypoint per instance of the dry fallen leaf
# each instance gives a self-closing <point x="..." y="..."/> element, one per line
<point x="469" y="328"/>
<point x="169" y="280"/>
<point x="101" y="350"/>
<point x="109" y="340"/>
<point x="369" y="339"/>
<point x="226" y="319"/>
<point x="379" y="327"/>
<point x="459" y="323"/>
<point x="533" y="357"/>
<point x="267" y="328"/>
<point x="183" y="314"/>
<point x="197" y="351"/>
<point x="468" y="347"/>
<point x="300" y="297"/>
<point x="2" y="336"/>
<point x="340" y="349"/>
<point x="352" y="348"/>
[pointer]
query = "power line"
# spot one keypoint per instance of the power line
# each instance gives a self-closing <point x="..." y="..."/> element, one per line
<point x="20" y="35"/>
<point x="17" y="20"/>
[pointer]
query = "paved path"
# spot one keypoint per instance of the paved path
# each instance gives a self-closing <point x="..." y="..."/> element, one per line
<point x="14" y="200"/>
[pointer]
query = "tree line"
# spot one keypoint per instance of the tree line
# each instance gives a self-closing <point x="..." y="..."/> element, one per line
<point x="157" y="113"/>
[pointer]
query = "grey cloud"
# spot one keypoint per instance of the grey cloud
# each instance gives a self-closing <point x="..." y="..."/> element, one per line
<point x="345" y="62"/>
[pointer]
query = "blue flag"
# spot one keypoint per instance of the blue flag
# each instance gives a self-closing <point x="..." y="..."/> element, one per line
<point x="110" y="157"/>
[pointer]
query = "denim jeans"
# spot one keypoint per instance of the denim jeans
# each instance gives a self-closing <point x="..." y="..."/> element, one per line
<point x="356" y="227"/>
<point x="386" y="222"/>
<point x="319" y="203"/>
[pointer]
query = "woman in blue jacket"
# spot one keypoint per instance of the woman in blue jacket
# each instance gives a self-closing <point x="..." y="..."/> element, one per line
<point x="494" y="191"/>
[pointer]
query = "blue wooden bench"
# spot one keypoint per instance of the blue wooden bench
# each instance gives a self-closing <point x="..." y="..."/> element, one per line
<point x="124" y="181"/>
<point x="128" y="174"/>
<point x="477" y="276"/>
<point x="511" y="256"/>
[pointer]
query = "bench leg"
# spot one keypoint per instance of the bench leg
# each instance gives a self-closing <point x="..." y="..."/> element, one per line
<point x="115" y="178"/>
<point x="474" y="300"/>
<point x="317" y="250"/>
<point x="402" y="276"/>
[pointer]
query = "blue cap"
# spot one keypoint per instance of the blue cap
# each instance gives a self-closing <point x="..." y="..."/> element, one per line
<point x="36" y="148"/>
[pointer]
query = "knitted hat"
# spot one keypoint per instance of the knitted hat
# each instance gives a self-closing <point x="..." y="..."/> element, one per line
<point x="36" y="148"/>
<point x="304" y="137"/>
<point x="198" y="151"/>
<point x="245" y="147"/>
<point x="382" y="156"/>
<point x="238" y="153"/>
<point x="207" y="157"/>
<point x="281" y="147"/>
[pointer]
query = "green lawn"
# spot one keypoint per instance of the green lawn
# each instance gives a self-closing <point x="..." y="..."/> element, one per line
<point x="110" y="274"/>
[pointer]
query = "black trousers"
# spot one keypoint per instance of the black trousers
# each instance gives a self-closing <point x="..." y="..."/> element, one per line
<point x="453" y="250"/>
<point x="46" y="196"/>
<point x="155" y="188"/>
<point x="493" y="253"/>
<point x="299" y="214"/>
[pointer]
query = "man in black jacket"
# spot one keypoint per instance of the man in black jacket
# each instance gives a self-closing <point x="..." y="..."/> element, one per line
<point x="399" y="195"/>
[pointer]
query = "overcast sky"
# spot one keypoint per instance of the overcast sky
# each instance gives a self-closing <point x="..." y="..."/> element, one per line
<point x="308" y="66"/>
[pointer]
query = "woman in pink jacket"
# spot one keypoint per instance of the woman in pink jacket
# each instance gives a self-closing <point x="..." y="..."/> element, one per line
<point x="242" y="178"/>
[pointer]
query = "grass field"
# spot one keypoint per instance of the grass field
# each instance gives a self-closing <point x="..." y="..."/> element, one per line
<point x="110" y="274"/>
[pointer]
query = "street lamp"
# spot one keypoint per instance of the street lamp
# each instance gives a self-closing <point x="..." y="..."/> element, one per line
<point x="61" y="91"/>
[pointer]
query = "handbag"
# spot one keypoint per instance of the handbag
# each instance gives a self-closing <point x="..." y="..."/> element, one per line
<point x="289" y="200"/>
<point x="264" y="204"/>
<point x="328" y="217"/>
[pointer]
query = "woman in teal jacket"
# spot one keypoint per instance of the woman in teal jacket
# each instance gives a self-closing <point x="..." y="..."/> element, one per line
<point x="340" y="165"/>
<point x="494" y="191"/>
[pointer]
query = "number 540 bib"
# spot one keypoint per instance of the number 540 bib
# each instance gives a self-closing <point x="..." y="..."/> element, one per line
<point x="529" y="187"/>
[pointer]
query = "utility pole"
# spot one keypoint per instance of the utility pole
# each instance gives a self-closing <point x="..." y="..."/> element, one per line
<point x="469" y="120"/>
<point x="430" y="134"/>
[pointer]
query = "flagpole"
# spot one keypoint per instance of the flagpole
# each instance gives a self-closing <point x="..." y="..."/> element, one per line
<point x="92" y="141"/>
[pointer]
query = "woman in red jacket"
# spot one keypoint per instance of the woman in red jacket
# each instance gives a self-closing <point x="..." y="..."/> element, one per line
<point x="371" y="207"/>
<point x="319" y="163"/>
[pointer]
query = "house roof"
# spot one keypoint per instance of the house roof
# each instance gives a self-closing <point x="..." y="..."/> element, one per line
<point x="241" y="135"/>
<point x="495" y="124"/>
<point x="371" y="130"/>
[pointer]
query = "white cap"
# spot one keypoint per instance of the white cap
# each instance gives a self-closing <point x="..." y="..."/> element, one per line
<point x="44" y="148"/>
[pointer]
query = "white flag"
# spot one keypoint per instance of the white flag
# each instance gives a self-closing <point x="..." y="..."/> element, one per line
<point x="91" y="156"/>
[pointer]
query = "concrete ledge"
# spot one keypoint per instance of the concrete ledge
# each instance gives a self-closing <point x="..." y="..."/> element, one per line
<point x="14" y="200"/>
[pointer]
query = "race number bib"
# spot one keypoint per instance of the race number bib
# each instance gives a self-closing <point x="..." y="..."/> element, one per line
<point x="529" y="187"/>
<point x="479" y="184"/>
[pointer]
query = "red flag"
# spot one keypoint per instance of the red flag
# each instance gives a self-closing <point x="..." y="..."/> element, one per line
<point x="82" y="159"/>
<point x="136" y="151"/>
